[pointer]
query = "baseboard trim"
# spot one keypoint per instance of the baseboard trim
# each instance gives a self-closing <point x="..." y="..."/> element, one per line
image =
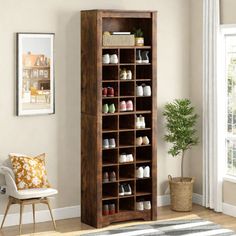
<point x="229" y="209"/>
<point x="74" y="211"/>
<point x="42" y="216"/>
<point x="164" y="200"/>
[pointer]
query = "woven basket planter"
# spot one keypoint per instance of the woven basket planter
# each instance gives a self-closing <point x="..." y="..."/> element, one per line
<point x="181" y="193"/>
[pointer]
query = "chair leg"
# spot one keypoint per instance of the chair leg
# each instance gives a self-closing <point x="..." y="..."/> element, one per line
<point x="33" y="206"/>
<point x="50" y="210"/>
<point x="7" y="209"/>
<point x="21" y="211"/>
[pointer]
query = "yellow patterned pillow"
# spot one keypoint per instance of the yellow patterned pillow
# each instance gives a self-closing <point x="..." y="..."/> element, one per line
<point x="30" y="172"/>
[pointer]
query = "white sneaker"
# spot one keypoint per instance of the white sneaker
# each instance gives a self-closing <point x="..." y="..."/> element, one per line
<point x="123" y="75"/>
<point x="139" y="206"/>
<point x="105" y="143"/>
<point x="113" y="59"/>
<point x="146" y="172"/>
<point x="129" y="157"/>
<point x="147" y="205"/>
<point x="106" y="59"/>
<point x="145" y="140"/>
<point x="139" y="172"/>
<point x="123" y="158"/>
<point x="139" y="141"/>
<point x="137" y="122"/>
<point x="129" y="75"/>
<point x="139" y="91"/>
<point x="147" y="90"/>
<point x="142" y="122"/>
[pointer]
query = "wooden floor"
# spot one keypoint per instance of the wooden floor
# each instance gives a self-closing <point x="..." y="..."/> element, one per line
<point x="75" y="227"/>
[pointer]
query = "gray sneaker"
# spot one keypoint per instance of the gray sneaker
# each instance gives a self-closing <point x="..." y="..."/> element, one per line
<point x="112" y="143"/>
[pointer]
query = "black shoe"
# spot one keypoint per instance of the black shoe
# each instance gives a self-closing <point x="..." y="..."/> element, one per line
<point x="127" y="189"/>
<point x="121" y="190"/>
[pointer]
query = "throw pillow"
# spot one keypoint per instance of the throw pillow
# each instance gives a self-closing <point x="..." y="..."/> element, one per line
<point x="30" y="172"/>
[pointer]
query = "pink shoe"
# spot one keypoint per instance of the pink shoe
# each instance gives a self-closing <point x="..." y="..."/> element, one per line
<point x="123" y="106"/>
<point x="129" y="106"/>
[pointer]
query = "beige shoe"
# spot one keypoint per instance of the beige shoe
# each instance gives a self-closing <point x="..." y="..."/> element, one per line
<point x="139" y="141"/>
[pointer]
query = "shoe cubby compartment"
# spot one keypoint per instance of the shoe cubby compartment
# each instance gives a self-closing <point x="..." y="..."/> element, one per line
<point x="107" y="84"/>
<point x="126" y="139"/>
<point x="143" y="187"/>
<point x="110" y="169"/>
<point x="142" y="133"/>
<point x="127" y="68"/>
<point x="127" y="89"/>
<point x="109" y="102"/>
<point x="126" y="100"/>
<point x="110" y="72"/>
<point x="126" y="151"/>
<point x="143" y="199"/>
<point x="144" y="154"/>
<point x="126" y="122"/>
<point x="132" y="186"/>
<point x="147" y="119"/>
<point x="143" y="165"/>
<point x="126" y="204"/>
<point x="108" y="137"/>
<point x="143" y="84"/>
<point x="143" y="103"/>
<point x="109" y="191"/>
<point x="127" y="56"/>
<point x="109" y="123"/>
<point x="143" y="72"/>
<point x="109" y="157"/>
<point x="110" y="202"/>
<point x="126" y="172"/>
<point x="146" y="56"/>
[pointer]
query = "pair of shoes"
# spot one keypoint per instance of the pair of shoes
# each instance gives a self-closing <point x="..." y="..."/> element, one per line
<point x="109" y="143"/>
<point x="109" y="108"/>
<point x="126" y="158"/>
<point x="143" y="205"/>
<point x="108" y="92"/>
<point x="111" y="177"/>
<point x="125" y="189"/>
<point x="142" y="57"/>
<point x="143" y="172"/>
<point x="126" y="106"/>
<point x="108" y="209"/>
<point x="106" y="59"/>
<point x="142" y="141"/>
<point x="125" y="74"/>
<point x="140" y="122"/>
<point x="143" y="90"/>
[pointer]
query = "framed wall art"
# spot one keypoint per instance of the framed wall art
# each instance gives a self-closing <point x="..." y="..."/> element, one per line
<point x="35" y="74"/>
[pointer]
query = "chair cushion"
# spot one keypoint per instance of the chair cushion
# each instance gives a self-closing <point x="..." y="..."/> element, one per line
<point x="35" y="193"/>
<point x="30" y="172"/>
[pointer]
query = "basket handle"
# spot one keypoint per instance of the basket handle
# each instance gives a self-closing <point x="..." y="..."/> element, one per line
<point x="170" y="177"/>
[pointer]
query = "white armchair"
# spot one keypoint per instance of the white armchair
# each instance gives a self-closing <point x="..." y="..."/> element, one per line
<point x="25" y="197"/>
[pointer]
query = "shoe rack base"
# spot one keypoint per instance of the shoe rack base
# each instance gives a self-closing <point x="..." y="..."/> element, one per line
<point x="97" y="126"/>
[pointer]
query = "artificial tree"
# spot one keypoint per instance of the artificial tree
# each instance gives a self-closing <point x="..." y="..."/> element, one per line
<point x="181" y="133"/>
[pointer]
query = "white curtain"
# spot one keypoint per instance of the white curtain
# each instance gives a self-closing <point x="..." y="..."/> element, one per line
<point x="212" y="130"/>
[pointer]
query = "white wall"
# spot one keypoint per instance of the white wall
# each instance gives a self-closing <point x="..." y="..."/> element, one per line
<point x="59" y="135"/>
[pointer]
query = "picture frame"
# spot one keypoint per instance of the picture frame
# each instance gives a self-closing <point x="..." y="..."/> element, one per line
<point x="35" y="74"/>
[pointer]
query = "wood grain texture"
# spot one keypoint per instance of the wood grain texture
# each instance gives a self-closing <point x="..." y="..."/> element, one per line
<point x="95" y="76"/>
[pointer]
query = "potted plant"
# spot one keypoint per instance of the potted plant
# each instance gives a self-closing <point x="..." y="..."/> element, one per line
<point x="181" y="133"/>
<point x="139" y="39"/>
